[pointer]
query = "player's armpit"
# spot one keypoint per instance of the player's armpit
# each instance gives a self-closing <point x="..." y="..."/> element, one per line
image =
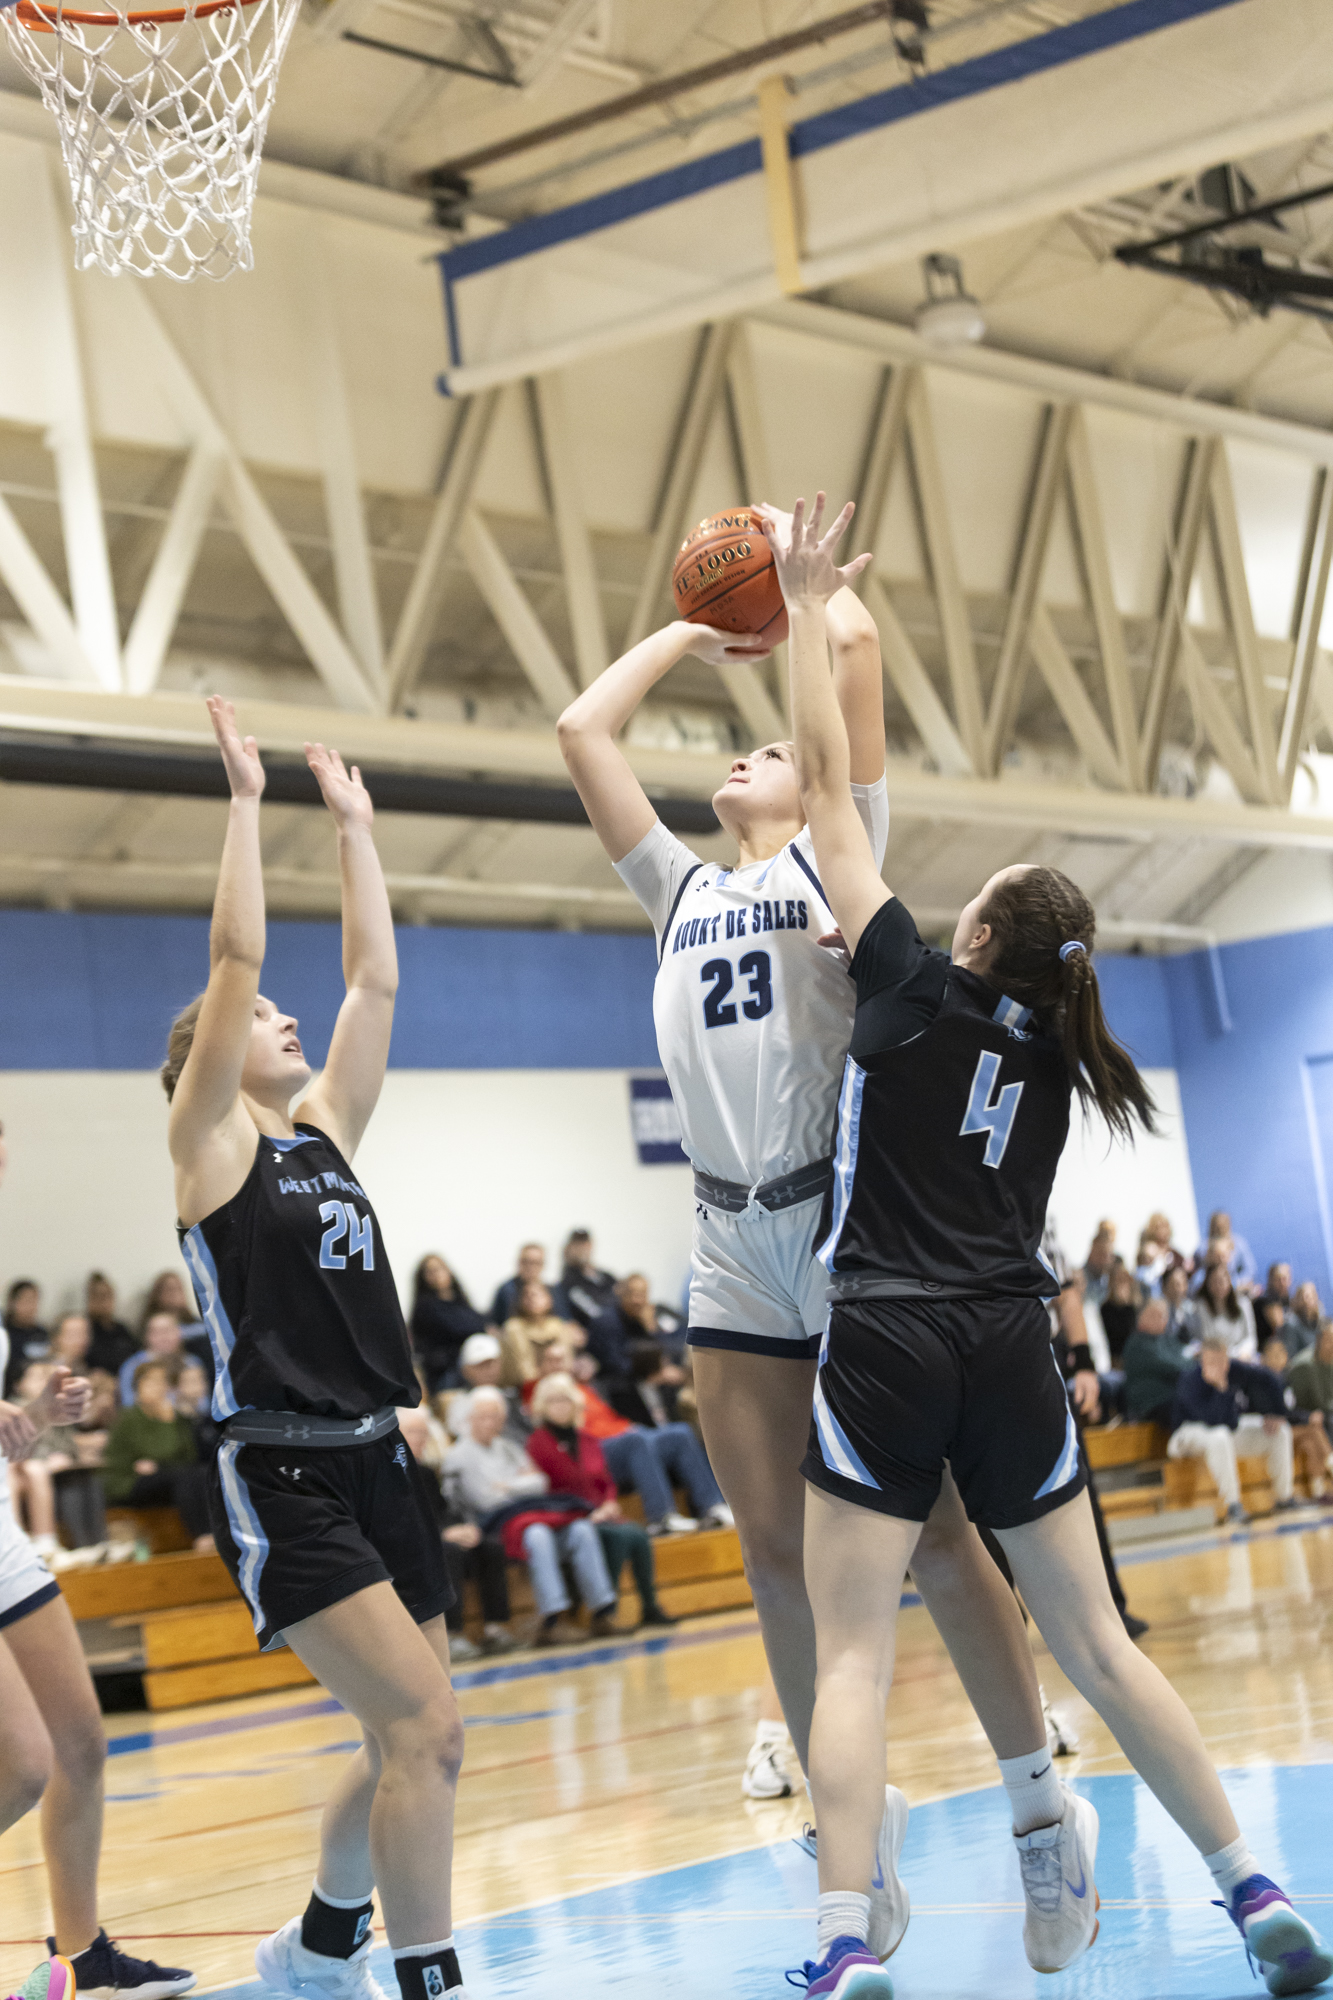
<point x="845" y="863"/>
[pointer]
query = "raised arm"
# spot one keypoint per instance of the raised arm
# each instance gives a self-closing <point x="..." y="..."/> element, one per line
<point x="208" y="1132"/>
<point x="341" y="1102"/>
<point x="858" y="683"/>
<point x="615" y="800"/>
<point x="809" y="578"/>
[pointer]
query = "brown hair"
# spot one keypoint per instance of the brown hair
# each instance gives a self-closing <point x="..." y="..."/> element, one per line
<point x="179" y="1043"/>
<point x="1032" y="915"/>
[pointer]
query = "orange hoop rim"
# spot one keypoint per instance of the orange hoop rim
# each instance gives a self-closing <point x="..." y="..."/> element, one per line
<point x="44" y="17"/>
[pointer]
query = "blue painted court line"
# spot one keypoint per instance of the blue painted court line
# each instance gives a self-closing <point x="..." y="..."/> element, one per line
<point x="1225" y="1538"/>
<point x="734" y="1925"/>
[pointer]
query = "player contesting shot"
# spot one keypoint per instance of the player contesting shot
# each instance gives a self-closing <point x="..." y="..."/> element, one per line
<point x="753" y="1020"/>
<point x="315" y="1509"/>
<point x="954" y="1112"/>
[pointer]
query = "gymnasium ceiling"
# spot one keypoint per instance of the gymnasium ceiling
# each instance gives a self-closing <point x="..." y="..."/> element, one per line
<point x="1052" y="292"/>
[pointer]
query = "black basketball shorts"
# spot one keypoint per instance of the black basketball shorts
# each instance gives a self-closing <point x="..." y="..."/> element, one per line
<point x="905" y="1384"/>
<point x="301" y="1530"/>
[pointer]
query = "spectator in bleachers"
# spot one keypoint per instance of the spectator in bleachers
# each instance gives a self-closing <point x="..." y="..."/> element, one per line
<point x="481" y="1365"/>
<point x="507" y="1496"/>
<point x="1307" y="1317"/>
<point x="647" y="1459"/>
<point x="468" y="1554"/>
<point x="1215" y="1419"/>
<point x="71" y="1338"/>
<point x="1097" y="1268"/>
<point x="32" y="1479"/>
<point x="1120" y="1311"/>
<point x="573" y="1463"/>
<point x="192" y="1397"/>
<point x="653" y="1394"/>
<point x="1153" y="1359"/>
<point x="112" y="1342"/>
<point x="169" y="1293"/>
<point x="28" y="1338"/>
<point x="1176" y="1298"/>
<point x="531" y="1267"/>
<point x="1277" y="1291"/>
<point x="163" y="1340"/>
<point x="151" y="1460"/>
<point x="1157" y="1253"/>
<point x="1310" y="1376"/>
<point x="443" y="1317"/>
<point x="1309" y="1435"/>
<point x="1220" y="1312"/>
<point x="642" y="1320"/>
<point x="529" y="1327"/>
<point x="1224" y="1244"/>
<point x="589" y="1290"/>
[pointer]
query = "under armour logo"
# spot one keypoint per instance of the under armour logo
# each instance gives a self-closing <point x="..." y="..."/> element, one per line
<point x="433" y="1977"/>
<point x="296" y="1433"/>
<point x="292" y="1471"/>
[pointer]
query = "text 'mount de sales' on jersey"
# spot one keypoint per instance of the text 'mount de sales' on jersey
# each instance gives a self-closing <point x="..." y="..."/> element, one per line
<point x="952" y="1117"/>
<point x="753" y="1015"/>
<point x="296" y="1291"/>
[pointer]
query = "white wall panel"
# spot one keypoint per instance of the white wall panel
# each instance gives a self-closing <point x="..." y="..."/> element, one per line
<point x="1099" y="1177"/>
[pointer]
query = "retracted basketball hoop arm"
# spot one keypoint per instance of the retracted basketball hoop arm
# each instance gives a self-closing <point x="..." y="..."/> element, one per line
<point x="162" y="113"/>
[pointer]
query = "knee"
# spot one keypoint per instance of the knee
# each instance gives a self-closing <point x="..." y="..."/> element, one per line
<point x="774" y="1554"/>
<point x="26" y="1766"/>
<point x="80" y="1751"/>
<point x="433" y="1737"/>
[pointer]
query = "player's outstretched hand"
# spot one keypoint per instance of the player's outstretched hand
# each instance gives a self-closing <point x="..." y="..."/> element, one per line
<point x="64" y="1400"/>
<point x="803" y="553"/>
<point x="245" y="773"/>
<point x="722" y="649"/>
<point x="18" y="1432"/>
<point x="344" y="794"/>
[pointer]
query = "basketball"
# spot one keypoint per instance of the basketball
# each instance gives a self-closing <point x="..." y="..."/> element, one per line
<point x="724" y="576"/>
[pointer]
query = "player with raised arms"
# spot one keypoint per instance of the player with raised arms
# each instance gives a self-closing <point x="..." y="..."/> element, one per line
<point x="315" y="1510"/>
<point x="953" y="1114"/>
<point x="753" y="1021"/>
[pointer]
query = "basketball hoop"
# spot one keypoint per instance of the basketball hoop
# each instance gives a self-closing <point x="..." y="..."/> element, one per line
<point x="162" y="114"/>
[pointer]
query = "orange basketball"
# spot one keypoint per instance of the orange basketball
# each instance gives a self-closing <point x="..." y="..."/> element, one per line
<point x="724" y="576"/>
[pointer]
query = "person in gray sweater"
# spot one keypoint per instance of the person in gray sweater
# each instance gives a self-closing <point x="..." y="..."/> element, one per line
<point x="487" y="1468"/>
<point x="1152" y="1361"/>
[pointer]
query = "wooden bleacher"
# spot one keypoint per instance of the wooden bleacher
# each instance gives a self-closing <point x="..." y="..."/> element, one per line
<point x="1162" y="1485"/>
<point x="196" y="1642"/>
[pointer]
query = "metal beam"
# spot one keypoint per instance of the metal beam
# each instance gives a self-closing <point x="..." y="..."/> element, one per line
<point x="527" y="637"/>
<point x="1035" y="539"/>
<point x="912" y="684"/>
<point x="1072" y="699"/>
<point x="1216" y="722"/>
<point x="1090" y="535"/>
<point x="1245" y="641"/>
<point x="950" y="600"/>
<point x="701" y="399"/>
<point x="421" y="605"/>
<point x="1306" y="624"/>
<point x="169" y="578"/>
<point x="1181" y="557"/>
<point x="752" y="701"/>
<point x="29" y="584"/>
<point x="583" y="595"/>
<point x="353" y="568"/>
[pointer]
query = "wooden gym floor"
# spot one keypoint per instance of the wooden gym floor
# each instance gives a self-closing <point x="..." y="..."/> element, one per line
<point x="603" y="1786"/>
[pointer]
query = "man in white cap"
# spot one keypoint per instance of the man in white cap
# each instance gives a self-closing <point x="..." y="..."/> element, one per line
<point x="479" y="1363"/>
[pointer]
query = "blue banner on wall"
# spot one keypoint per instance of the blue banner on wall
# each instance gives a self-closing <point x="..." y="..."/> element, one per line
<point x="655" y="1122"/>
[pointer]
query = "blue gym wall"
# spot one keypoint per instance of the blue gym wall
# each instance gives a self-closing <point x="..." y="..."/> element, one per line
<point x="97" y="992"/>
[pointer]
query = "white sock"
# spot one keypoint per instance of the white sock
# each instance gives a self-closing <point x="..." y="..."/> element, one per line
<point x="1231" y="1866"/>
<point x="425" y="1950"/>
<point x="842" y="1913"/>
<point x="343" y="1902"/>
<point x="1034" y="1790"/>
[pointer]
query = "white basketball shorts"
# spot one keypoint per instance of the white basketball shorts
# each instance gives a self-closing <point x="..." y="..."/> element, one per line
<point x="756" y="1285"/>
<point x="25" y="1581"/>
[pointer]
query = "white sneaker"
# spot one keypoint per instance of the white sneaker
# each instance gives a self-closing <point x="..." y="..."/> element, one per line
<point x="890" y="1904"/>
<point x="285" y="1966"/>
<point x="764" y="1777"/>
<point x="673" y="1524"/>
<point x="1057" y="1863"/>
<point x="1061" y="1740"/>
<point x="720" y="1516"/>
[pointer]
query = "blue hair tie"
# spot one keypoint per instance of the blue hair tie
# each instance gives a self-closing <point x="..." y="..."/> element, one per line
<point x="1067" y="950"/>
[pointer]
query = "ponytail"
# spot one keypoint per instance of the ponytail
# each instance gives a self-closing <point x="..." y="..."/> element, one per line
<point x="1044" y="930"/>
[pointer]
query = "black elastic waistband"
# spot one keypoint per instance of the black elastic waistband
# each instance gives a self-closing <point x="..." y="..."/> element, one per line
<point x="308" y="1433"/>
<point x="846" y="1287"/>
<point x="784" y="1192"/>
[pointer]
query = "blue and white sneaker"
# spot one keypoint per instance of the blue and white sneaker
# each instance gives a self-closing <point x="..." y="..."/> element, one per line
<point x="1290" y="1954"/>
<point x="285" y="1965"/>
<point x="1061" y="1896"/>
<point x="848" y="1970"/>
<point x="890" y="1904"/>
<point x="105" y="1972"/>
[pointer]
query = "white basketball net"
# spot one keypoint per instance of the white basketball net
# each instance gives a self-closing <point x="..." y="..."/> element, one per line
<point x="161" y="126"/>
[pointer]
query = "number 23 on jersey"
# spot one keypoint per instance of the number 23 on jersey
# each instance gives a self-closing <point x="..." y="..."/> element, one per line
<point x="717" y="975"/>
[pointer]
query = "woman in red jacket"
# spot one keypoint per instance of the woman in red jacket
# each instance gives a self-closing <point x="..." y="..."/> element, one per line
<point x="573" y="1463"/>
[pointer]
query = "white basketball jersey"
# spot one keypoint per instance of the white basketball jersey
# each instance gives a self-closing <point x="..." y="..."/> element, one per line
<point x="753" y="1015"/>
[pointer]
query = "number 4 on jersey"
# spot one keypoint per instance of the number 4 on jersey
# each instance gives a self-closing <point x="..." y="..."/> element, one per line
<point x="344" y="1221"/>
<point x="995" y="1120"/>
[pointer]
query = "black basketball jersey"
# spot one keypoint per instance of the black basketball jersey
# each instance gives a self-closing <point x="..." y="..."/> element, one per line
<point x="296" y="1292"/>
<point x="953" y="1115"/>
